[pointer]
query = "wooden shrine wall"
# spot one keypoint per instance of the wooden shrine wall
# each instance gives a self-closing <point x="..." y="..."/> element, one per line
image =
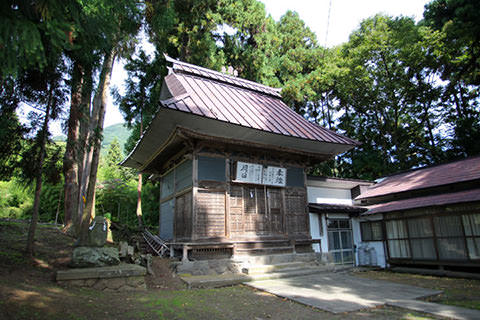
<point x="210" y="210"/>
<point x="209" y="206"/>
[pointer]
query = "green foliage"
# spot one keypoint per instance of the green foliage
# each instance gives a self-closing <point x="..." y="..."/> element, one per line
<point x="51" y="201"/>
<point x="110" y="169"/>
<point x="16" y="200"/>
<point x="458" y="55"/>
<point x="52" y="166"/>
<point x="32" y="31"/>
<point x="11" y="131"/>
<point x="117" y="191"/>
<point x="119" y="199"/>
<point x="459" y="20"/>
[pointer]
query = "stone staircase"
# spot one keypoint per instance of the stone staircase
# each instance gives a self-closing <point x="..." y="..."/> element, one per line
<point x="264" y="248"/>
<point x="282" y="270"/>
<point x="267" y="267"/>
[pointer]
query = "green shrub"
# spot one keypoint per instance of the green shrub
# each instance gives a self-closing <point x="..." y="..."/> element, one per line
<point x="16" y="200"/>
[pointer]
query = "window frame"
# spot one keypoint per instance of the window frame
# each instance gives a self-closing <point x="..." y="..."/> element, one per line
<point x="369" y="224"/>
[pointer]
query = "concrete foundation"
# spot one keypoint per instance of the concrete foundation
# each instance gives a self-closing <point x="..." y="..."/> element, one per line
<point x="113" y="278"/>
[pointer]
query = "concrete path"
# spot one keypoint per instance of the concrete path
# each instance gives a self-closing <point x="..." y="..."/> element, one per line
<point x="342" y="292"/>
<point x="441" y="310"/>
<point x="339" y="292"/>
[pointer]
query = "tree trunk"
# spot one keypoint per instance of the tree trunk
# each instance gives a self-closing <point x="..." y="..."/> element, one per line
<point x="38" y="178"/>
<point x="70" y="160"/>
<point x="139" y="186"/>
<point x="84" y="149"/>
<point x="98" y="116"/>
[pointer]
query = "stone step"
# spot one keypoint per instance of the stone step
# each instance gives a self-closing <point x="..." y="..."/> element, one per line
<point x="289" y="273"/>
<point x="269" y="268"/>
<point x="263" y="251"/>
<point x="276" y="258"/>
<point x="234" y="279"/>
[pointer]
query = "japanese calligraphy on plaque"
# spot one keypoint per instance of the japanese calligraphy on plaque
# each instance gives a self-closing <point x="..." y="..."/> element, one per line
<point x="249" y="172"/>
<point x="274" y="176"/>
<point x="258" y="174"/>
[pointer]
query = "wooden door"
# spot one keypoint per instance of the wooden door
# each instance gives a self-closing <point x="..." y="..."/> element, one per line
<point x="275" y="210"/>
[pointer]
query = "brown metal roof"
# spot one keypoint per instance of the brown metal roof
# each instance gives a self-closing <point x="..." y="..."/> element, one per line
<point x="183" y="67"/>
<point x="428" y="201"/>
<point x="225" y="107"/>
<point x="225" y="98"/>
<point x="449" y="173"/>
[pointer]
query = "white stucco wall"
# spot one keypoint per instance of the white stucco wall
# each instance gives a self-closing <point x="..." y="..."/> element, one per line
<point x="318" y="230"/>
<point x="329" y="195"/>
<point x="379" y="260"/>
<point x="318" y="223"/>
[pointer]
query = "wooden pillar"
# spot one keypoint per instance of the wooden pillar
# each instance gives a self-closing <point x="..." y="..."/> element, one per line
<point x="227" y="197"/>
<point x="194" y="193"/>
<point x="185" y="253"/>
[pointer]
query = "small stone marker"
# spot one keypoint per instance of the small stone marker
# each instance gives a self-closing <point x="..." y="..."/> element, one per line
<point x="97" y="233"/>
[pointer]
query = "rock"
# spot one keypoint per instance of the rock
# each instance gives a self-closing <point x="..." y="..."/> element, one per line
<point x="84" y="257"/>
<point x="130" y="251"/>
<point x="147" y="262"/>
<point x="123" y="249"/>
<point x="97" y="233"/>
<point x="126" y="251"/>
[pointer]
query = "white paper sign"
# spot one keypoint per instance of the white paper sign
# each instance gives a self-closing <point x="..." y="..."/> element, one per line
<point x="275" y="176"/>
<point x="249" y="172"/>
<point x="258" y="174"/>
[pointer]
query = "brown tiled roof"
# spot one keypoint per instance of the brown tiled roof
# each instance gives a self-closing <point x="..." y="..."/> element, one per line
<point x="214" y="95"/>
<point x="427" y="201"/>
<point x="449" y="173"/>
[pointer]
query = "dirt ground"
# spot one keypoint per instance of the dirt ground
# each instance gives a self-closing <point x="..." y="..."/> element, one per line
<point x="28" y="291"/>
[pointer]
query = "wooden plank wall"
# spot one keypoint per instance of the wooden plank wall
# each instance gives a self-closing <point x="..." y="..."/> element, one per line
<point x="183" y="216"/>
<point x="210" y="220"/>
<point x="227" y="210"/>
<point x="296" y="212"/>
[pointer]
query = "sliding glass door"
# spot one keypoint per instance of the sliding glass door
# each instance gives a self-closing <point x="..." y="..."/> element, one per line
<point x="340" y="241"/>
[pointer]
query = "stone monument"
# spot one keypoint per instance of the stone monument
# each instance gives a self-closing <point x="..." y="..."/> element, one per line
<point x="94" y="253"/>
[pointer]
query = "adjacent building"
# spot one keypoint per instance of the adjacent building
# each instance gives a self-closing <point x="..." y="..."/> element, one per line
<point x="427" y="216"/>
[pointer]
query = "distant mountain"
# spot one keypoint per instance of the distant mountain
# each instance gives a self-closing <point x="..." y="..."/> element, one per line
<point x="109" y="133"/>
<point x="118" y="131"/>
<point x="59" y="138"/>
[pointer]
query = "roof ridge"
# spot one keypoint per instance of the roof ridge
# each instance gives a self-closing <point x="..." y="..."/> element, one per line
<point x="429" y="167"/>
<point x="219" y="76"/>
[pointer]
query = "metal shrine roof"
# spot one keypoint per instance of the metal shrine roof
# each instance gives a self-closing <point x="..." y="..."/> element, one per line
<point x="226" y="107"/>
<point x="212" y="94"/>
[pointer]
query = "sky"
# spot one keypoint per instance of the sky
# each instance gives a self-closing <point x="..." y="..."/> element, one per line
<point x="345" y="17"/>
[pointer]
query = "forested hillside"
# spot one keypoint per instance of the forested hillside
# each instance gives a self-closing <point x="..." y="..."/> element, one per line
<point x="116" y="131"/>
<point x="409" y="91"/>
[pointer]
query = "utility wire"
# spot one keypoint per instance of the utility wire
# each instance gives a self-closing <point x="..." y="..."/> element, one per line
<point x="328" y="22"/>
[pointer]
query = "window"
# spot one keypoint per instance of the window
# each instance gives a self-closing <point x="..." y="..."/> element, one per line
<point x="471" y="222"/>
<point x="167" y="184"/>
<point x="450" y="239"/>
<point x="177" y="179"/>
<point x="421" y="239"/>
<point x="295" y="177"/>
<point x="211" y="168"/>
<point x="183" y="175"/>
<point x="397" y="237"/>
<point x="371" y="231"/>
